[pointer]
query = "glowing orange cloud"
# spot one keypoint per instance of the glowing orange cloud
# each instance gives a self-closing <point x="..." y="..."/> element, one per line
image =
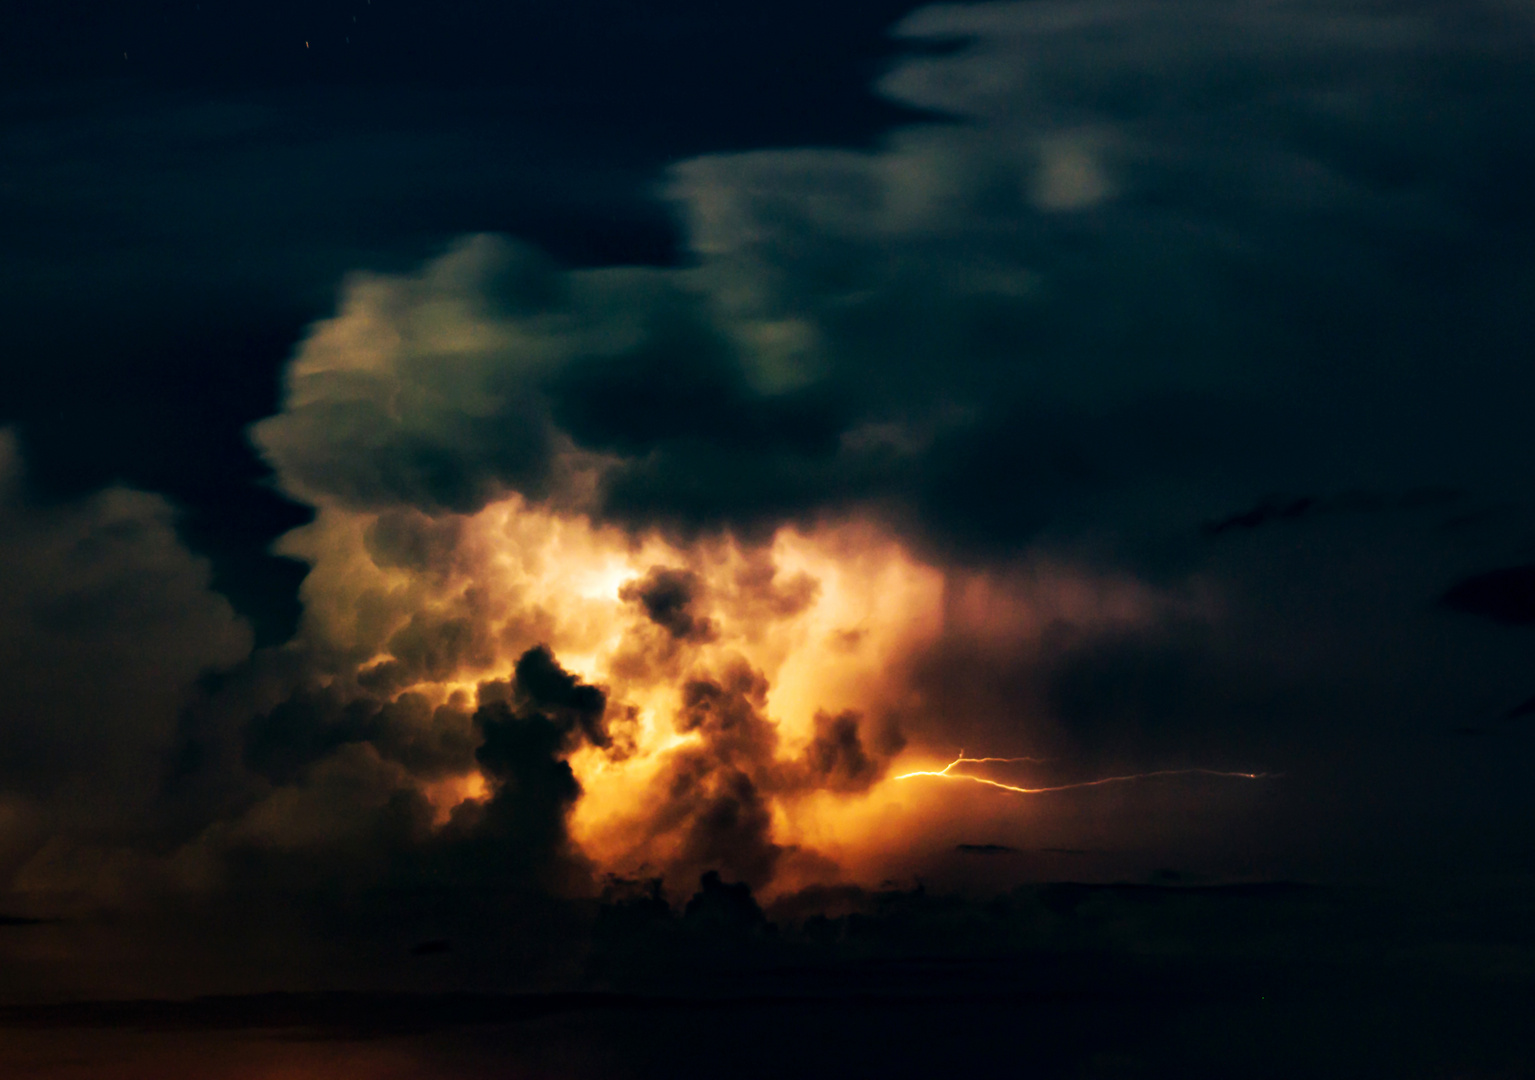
<point x="827" y="621"/>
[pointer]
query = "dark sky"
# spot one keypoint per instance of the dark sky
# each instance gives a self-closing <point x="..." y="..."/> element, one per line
<point x="497" y="497"/>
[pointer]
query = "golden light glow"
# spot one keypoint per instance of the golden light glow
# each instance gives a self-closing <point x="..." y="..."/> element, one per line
<point x="828" y="618"/>
<point x="449" y="794"/>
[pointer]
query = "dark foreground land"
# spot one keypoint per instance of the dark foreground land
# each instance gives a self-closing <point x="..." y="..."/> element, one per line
<point x="1342" y="1030"/>
<point x="1248" y="982"/>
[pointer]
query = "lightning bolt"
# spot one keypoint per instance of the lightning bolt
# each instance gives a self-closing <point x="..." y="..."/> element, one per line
<point x="1030" y="760"/>
<point x="945" y="773"/>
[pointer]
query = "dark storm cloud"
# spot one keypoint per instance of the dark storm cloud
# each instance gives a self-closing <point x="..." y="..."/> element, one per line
<point x="535" y="790"/>
<point x="197" y="181"/>
<point x="323" y="848"/>
<point x="1280" y="508"/>
<point x="1158" y="261"/>
<point x="668" y="597"/>
<point x="547" y="687"/>
<point x="301" y="731"/>
<point x="320" y="812"/>
<point x="198" y="177"/>
<point x="1505" y="596"/>
<point x="713" y="798"/>
<point x="429" y="741"/>
<point x="722" y="817"/>
<point x="339" y="829"/>
<point x="219" y="230"/>
<point x="1313" y="652"/>
<point x="413" y="541"/>
<point x="837" y="759"/>
<point x="1171" y="285"/>
<point x="106" y="623"/>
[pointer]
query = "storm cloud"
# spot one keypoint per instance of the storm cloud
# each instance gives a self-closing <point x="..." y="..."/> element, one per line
<point x="959" y="444"/>
<point x="106" y="624"/>
<point x="1125" y="246"/>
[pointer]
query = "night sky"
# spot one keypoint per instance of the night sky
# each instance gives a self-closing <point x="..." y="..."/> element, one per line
<point x="663" y="539"/>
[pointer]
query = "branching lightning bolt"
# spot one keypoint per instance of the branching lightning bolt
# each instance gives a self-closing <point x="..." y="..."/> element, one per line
<point x="946" y="773"/>
<point x="1029" y="760"/>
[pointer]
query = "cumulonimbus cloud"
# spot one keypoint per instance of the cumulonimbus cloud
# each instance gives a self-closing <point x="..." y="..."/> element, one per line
<point x="106" y="624"/>
<point x="1067" y="293"/>
<point x="657" y="571"/>
<point x="1105" y="265"/>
